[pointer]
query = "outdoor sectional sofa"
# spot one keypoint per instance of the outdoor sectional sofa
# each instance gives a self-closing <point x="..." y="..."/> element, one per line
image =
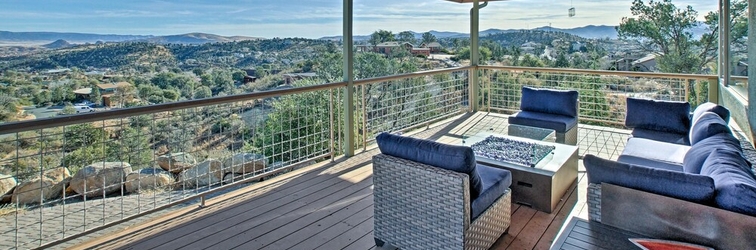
<point x="680" y="177"/>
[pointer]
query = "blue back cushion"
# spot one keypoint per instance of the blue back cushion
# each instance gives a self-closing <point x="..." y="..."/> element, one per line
<point x="667" y="116"/>
<point x="690" y="187"/>
<point x="460" y="159"/>
<point x="733" y="179"/>
<point x="706" y="125"/>
<point x="560" y="102"/>
<point x="723" y="112"/>
<point x="696" y="156"/>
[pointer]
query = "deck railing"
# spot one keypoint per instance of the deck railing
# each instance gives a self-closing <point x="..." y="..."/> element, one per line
<point x="77" y="173"/>
<point x="602" y="93"/>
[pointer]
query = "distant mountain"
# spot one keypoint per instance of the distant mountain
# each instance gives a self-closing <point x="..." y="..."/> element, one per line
<point x="590" y="31"/>
<point x="59" y="44"/>
<point x="38" y="38"/>
<point x="49" y="37"/>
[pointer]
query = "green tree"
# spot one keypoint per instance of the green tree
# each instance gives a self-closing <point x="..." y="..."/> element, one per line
<point x="202" y="92"/>
<point x="561" y="61"/>
<point x="428" y="37"/>
<point x="406" y="36"/>
<point x="666" y="30"/>
<point x="381" y="36"/>
<point x="96" y="96"/>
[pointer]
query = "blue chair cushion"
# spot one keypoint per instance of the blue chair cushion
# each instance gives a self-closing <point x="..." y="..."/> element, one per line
<point x="711" y="107"/>
<point x="558" y="123"/>
<point x="733" y="180"/>
<point x="666" y="116"/>
<point x="696" y="156"/>
<point x="496" y="182"/>
<point x="559" y="102"/>
<point x="663" y="156"/>
<point x="680" y="185"/>
<point x="707" y="124"/>
<point x="667" y="137"/>
<point x="459" y="159"/>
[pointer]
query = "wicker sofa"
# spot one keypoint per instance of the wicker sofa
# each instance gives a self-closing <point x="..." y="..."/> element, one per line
<point x="680" y="177"/>
<point x="551" y="109"/>
<point x="429" y="195"/>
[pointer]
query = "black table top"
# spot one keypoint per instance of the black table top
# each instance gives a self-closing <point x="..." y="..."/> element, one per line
<point x="583" y="234"/>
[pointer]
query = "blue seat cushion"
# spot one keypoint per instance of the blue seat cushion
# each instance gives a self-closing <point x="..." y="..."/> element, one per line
<point x="655" y="135"/>
<point x="666" y="116"/>
<point x="707" y="124"/>
<point x="680" y="185"/>
<point x="733" y="180"/>
<point x="696" y="156"/>
<point x="551" y="101"/>
<point x="650" y="153"/>
<point x="723" y="112"/>
<point x="459" y="159"/>
<point x="496" y="182"/>
<point x="558" y="123"/>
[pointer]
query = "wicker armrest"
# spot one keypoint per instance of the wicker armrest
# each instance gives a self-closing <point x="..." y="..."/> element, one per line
<point x="419" y="206"/>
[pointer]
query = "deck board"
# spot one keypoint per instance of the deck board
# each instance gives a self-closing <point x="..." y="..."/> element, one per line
<point x="330" y="206"/>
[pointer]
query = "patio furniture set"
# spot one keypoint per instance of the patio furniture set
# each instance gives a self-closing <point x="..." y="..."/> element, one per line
<point x="680" y="177"/>
<point x="429" y="195"/>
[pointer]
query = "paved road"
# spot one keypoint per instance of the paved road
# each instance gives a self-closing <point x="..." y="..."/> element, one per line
<point x="43" y="112"/>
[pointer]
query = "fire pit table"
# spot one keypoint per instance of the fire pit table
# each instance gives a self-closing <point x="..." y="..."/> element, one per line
<point x="541" y="171"/>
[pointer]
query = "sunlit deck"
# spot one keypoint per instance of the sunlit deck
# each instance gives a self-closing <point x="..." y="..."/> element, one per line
<point x="330" y="205"/>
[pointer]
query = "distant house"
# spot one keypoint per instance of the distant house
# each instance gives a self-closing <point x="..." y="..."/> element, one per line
<point x="57" y="71"/>
<point x="248" y="79"/>
<point x="83" y="93"/>
<point x="386" y="48"/>
<point x="292" y="77"/>
<point x="251" y="71"/>
<point x="111" y="90"/>
<point x="645" y="64"/>
<point x="434" y="47"/>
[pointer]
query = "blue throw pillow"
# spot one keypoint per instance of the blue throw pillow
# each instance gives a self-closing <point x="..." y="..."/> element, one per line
<point x="667" y="116"/>
<point x="460" y="159"/>
<point x="696" y="156"/>
<point x="680" y="185"/>
<point x="733" y="179"/>
<point x="711" y="107"/>
<point x="559" y="102"/>
<point x="706" y="125"/>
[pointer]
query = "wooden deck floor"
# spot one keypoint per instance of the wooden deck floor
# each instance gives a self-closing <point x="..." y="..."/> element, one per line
<point x="330" y="205"/>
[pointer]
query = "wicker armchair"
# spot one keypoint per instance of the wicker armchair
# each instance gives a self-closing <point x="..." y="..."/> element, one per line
<point x="419" y="206"/>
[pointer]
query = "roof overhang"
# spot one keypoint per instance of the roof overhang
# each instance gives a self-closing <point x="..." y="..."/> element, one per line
<point x="470" y="1"/>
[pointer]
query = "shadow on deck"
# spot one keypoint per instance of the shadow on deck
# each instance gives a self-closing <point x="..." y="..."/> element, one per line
<point x="330" y="205"/>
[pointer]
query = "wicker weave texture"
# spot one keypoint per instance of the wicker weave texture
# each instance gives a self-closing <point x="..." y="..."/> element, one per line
<point x="594" y="202"/>
<point x="423" y="207"/>
<point x="489" y="226"/>
<point x="419" y="206"/>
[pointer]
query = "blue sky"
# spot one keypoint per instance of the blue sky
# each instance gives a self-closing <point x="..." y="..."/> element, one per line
<point x="303" y="18"/>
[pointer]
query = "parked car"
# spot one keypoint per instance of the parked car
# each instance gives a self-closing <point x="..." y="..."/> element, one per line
<point x="84" y="103"/>
<point x="82" y="109"/>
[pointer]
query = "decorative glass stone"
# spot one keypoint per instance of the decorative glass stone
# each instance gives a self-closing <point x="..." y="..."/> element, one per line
<point x="512" y="151"/>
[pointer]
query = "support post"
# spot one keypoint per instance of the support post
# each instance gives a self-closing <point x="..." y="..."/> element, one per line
<point x="751" y="109"/>
<point x="348" y="45"/>
<point x="724" y="43"/>
<point x="474" y="54"/>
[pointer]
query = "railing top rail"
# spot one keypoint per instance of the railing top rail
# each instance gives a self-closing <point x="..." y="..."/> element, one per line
<point x="43" y="123"/>
<point x="602" y="72"/>
<point x="409" y="75"/>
